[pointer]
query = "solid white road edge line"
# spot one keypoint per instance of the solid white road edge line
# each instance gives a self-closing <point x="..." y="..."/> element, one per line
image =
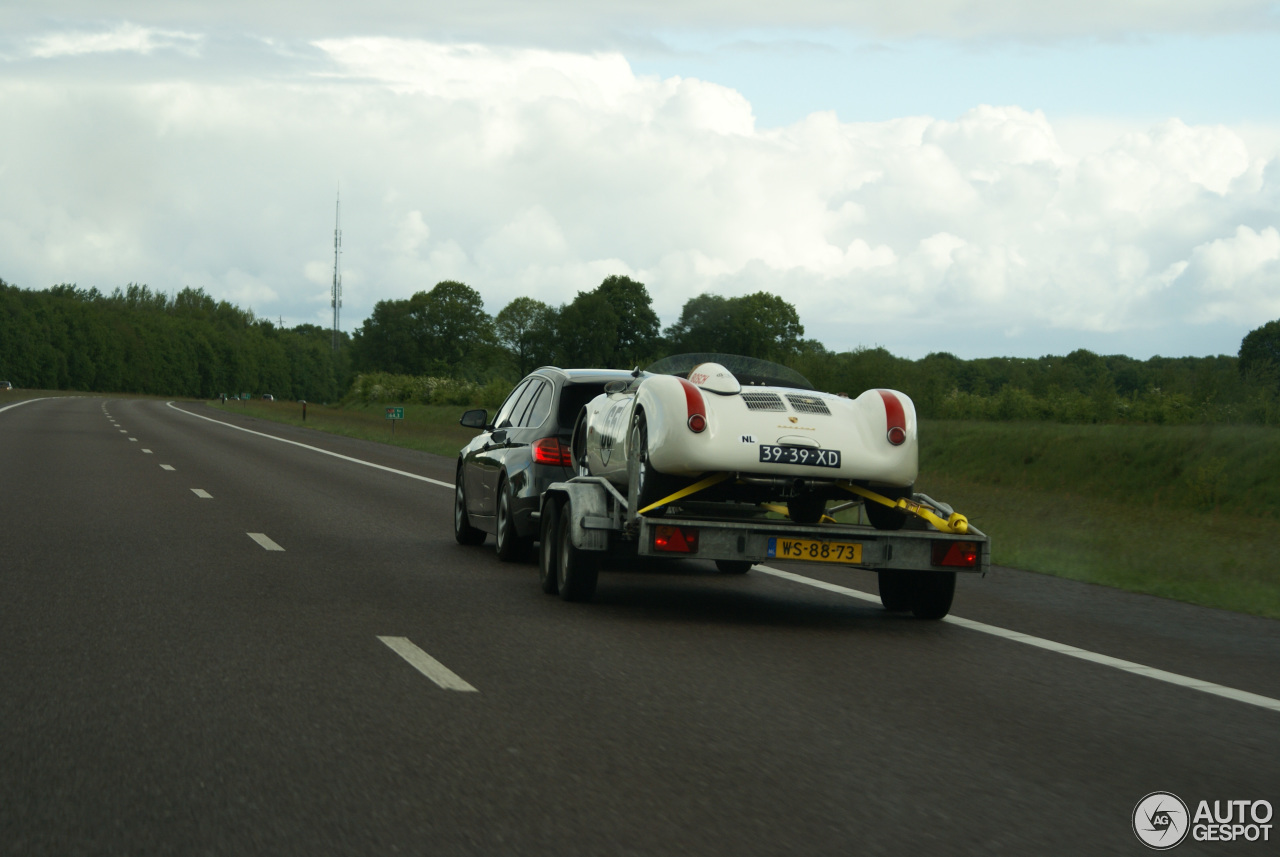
<point x="267" y="544"/>
<point x="427" y="665"/>
<point x="1049" y="645"/>
<point x="27" y="402"/>
<point x="448" y="485"/>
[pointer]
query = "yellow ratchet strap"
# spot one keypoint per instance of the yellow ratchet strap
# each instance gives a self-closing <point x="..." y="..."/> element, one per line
<point x="685" y="492"/>
<point x="957" y="523"/>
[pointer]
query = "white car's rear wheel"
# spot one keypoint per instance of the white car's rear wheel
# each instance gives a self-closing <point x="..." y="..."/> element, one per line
<point x="644" y="486"/>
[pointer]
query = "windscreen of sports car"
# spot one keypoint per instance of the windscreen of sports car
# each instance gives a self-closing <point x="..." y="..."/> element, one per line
<point x="749" y="371"/>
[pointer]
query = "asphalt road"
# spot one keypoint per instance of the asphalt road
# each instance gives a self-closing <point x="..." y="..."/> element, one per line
<point x="172" y="684"/>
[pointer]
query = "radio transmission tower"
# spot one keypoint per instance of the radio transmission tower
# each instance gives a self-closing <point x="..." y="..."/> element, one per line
<point x="337" y="269"/>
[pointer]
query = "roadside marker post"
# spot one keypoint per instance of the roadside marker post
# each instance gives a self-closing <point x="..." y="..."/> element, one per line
<point x="394" y="414"/>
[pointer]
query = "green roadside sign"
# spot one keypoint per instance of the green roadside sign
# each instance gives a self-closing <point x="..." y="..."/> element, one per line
<point x="395" y="413"/>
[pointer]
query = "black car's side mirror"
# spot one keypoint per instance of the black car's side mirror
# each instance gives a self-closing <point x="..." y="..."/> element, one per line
<point x="476" y="419"/>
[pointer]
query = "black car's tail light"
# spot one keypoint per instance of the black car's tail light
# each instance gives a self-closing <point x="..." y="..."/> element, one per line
<point x="552" y="450"/>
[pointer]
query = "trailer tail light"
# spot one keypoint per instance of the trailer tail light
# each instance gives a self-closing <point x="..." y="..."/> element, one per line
<point x="675" y="539"/>
<point x="955" y="554"/>
<point x="895" y="417"/>
<point x="551" y="450"/>
<point x="697" y="408"/>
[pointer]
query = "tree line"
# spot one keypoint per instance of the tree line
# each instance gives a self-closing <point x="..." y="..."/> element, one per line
<point x="137" y="340"/>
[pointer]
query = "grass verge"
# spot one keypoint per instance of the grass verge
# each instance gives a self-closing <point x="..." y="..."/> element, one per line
<point x="427" y="428"/>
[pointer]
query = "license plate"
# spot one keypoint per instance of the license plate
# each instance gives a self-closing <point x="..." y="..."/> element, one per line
<point x="815" y="550"/>
<point x="770" y="454"/>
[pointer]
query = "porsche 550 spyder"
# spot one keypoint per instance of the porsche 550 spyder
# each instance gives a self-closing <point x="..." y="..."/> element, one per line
<point x="692" y="416"/>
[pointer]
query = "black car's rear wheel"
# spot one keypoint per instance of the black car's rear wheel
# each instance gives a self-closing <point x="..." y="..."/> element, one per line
<point x="463" y="532"/>
<point x="511" y="546"/>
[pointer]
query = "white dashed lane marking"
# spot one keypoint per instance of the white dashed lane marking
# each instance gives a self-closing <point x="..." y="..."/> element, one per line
<point x="267" y="544"/>
<point x="202" y="494"/>
<point x="147" y="451"/>
<point x="166" y="467"/>
<point x="427" y="665"/>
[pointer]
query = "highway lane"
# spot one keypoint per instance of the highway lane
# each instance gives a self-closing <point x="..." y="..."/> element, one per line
<point x="171" y="686"/>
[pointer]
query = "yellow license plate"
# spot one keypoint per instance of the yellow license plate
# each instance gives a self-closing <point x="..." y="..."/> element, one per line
<point x="815" y="550"/>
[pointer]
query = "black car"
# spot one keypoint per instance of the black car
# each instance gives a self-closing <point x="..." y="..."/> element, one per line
<point x="504" y="470"/>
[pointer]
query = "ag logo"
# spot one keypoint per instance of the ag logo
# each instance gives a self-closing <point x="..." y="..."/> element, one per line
<point x="1161" y="821"/>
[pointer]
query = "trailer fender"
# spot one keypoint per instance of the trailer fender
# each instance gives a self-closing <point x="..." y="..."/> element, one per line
<point x="586" y="504"/>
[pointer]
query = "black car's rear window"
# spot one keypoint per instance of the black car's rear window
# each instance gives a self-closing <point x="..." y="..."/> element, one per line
<point x="572" y="399"/>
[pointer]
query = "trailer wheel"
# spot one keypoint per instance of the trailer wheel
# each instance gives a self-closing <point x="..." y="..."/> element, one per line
<point x="895" y="590"/>
<point x="576" y="569"/>
<point x="932" y="594"/>
<point x="549" y="548"/>
<point x="733" y="566"/>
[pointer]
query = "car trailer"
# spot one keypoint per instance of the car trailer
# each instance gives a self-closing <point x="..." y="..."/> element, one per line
<point x="586" y="518"/>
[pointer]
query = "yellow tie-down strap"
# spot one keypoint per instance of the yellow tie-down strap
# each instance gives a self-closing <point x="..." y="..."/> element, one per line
<point x="956" y="523"/>
<point x="685" y="492"/>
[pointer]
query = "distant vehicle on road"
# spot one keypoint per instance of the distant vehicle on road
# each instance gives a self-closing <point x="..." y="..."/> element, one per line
<point x="267" y="397"/>
<point x="5" y="385"/>
<point x="502" y="473"/>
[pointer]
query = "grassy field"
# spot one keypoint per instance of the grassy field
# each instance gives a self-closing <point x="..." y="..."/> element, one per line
<point x="1185" y="512"/>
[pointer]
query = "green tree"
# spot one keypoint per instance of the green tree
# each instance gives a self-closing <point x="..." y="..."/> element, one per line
<point x="526" y="329"/>
<point x="756" y="325"/>
<point x="587" y="333"/>
<point x="637" y="330"/>
<point x="1260" y="355"/>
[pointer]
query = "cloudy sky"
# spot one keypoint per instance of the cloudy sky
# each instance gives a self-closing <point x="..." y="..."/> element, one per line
<point x="986" y="177"/>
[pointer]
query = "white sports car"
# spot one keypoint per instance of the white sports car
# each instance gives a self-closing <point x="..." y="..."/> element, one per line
<point x="760" y="427"/>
